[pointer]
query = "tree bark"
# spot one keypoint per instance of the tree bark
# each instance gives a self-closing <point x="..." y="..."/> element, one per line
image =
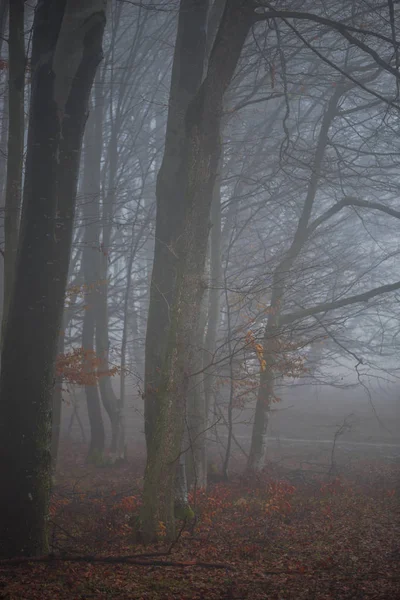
<point x="196" y="411"/>
<point x="186" y="255"/>
<point x="3" y="170"/>
<point x="57" y="408"/>
<point x="15" y="146"/>
<point x="187" y="74"/>
<point x="4" y="4"/>
<point x="66" y="49"/>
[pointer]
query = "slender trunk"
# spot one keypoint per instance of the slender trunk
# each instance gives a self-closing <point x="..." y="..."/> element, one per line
<point x="229" y="420"/>
<point x="280" y="278"/>
<point x="214" y="294"/>
<point x="121" y="442"/>
<point x="57" y="119"/>
<point x="135" y="240"/>
<point x="15" y="146"/>
<point x="58" y="388"/>
<point x="108" y="396"/>
<point x="97" y="434"/>
<point x="91" y="271"/>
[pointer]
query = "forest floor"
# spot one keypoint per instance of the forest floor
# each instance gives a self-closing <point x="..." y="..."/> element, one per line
<point x="290" y="533"/>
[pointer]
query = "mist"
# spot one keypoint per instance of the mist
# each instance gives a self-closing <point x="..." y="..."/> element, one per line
<point x="200" y="349"/>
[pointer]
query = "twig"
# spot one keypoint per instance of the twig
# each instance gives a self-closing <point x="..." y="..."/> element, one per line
<point x="50" y="559"/>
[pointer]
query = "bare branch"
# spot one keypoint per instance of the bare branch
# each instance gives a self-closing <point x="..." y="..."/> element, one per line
<point x="328" y="306"/>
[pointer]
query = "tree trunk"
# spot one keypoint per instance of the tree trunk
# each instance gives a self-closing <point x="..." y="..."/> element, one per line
<point x="57" y="408"/>
<point x="214" y="295"/>
<point x="3" y="147"/>
<point x="3" y="170"/>
<point x="186" y="255"/>
<point x="15" y="146"/>
<point x="135" y="240"/>
<point x="109" y="399"/>
<point x="66" y="49"/>
<point x="97" y="434"/>
<point x="196" y="412"/>
<point x="91" y="271"/>
<point x="187" y="74"/>
<point x="281" y="276"/>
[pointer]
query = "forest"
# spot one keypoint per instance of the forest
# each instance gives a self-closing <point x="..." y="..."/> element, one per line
<point x="199" y="298"/>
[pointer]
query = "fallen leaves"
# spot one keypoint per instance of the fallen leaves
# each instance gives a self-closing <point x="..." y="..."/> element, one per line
<point x="254" y="538"/>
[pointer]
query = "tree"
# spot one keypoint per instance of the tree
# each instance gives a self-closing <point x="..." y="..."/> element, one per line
<point x="66" y="49"/>
<point x="183" y="257"/>
<point x="15" y="147"/>
<point x="91" y="266"/>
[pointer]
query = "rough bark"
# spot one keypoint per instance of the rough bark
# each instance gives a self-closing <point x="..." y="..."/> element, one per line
<point x="187" y="74"/>
<point x="281" y="276"/>
<point x="165" y="414"/>
<point x="66" y="49"/>
<point x="15" y="146"/>
<point x="3" y="166"/>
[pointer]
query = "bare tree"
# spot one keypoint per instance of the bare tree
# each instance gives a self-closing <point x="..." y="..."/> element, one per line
<point x="66" y="50"/>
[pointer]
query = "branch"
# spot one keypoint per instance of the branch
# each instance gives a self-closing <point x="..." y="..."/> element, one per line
<point x="50" y="559"/>
<point x="333" y="210"/>
<point x="156" y="7"/>
<point x="351" y="201"/>
<point x="342" y="28"/>
<point x="328" y="306"/>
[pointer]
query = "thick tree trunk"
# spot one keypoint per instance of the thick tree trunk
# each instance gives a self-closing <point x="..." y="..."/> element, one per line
<point x="281" y="276"/>
<point x="3" y="170"/>
<point x="66" y="49"/>
<point x="187" y="74"/>
<point x="15" y="146"/>
<point x="191" y="209"/>
<point x="4" y="4"/>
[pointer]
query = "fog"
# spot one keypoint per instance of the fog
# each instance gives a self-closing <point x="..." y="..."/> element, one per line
<point x="199" y="275"/>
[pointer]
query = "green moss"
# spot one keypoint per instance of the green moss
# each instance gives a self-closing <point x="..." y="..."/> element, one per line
<point x="183" y="512"/>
